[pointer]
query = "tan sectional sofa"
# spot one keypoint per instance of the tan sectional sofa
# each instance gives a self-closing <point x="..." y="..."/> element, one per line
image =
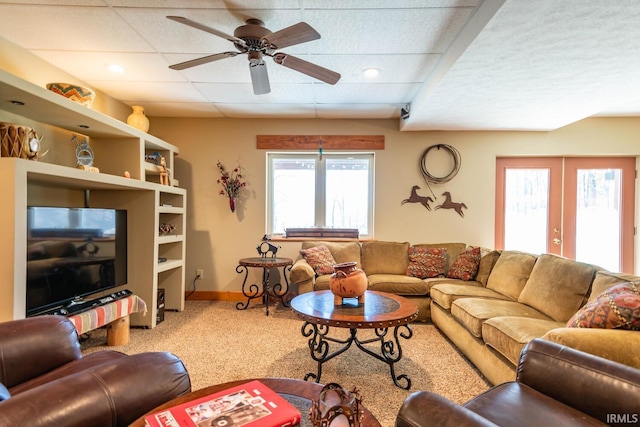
<point x="527" y="297"/>
<point x="513" y="298"/>
<point x="385" y="264"/>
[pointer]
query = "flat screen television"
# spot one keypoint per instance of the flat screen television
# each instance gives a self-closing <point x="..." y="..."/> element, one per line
<point x="73" y="253"/>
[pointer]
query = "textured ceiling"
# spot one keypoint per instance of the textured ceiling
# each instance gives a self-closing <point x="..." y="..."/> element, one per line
<point x="456" y="64"/>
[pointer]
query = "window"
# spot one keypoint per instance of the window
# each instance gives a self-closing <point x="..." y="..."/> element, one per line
<point x="304" y="191"/>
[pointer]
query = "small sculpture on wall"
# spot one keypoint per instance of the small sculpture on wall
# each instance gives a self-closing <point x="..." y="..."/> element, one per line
<point x="415" y="198"/>
<point x="448" y="204"/>
<point x="264" y="247"/>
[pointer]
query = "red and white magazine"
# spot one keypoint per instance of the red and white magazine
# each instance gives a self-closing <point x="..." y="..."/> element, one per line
<point x="250" y="404"/>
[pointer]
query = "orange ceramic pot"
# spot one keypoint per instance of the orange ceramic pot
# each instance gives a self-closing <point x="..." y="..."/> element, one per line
<point x="348" y="281"/>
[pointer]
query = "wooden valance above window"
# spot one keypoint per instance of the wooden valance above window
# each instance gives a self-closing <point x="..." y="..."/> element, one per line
<point x="312" y="142"/>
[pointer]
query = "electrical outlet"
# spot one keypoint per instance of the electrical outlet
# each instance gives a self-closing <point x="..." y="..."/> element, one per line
<point x="199" y="273"/>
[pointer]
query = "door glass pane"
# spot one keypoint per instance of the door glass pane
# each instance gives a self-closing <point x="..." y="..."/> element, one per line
<point x="526" y="210"/>
<point x="293" y="194"/>
<point x="598" y="216"/>
<point x="347" y="193"/>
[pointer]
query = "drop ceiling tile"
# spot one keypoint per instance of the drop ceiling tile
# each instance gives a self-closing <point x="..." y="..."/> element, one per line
<point x="63" y="2"/>
<point x="181" y="109"/>
<point x="139" y="92"/>
<point x="386" y="31"/>
<point x="94" y="65"/>
<point x="69" y="28"/>
<point x="289" y="111"/>
<point x="358" y="111"/>
<point x="168" y="36"/>
<point x="408" y="68"/>
<point x="385" y="93"/>
<point x="208" y="4"/>
<point x="238" y="93"/>
<point x="387" y="4"/>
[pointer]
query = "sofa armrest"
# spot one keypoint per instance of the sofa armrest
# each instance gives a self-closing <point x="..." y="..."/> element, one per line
<point x="301" y="272"/>
<point x="23" y="343"/>
<point x="424" y="408"/>
<point x="111" y="394"/>
<point x="593" y="385"/>
<point x="614" y="344"/>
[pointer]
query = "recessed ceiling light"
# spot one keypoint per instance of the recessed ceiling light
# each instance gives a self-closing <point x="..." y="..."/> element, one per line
<point x="115" y="68"/>
<point x="371" y="72"/>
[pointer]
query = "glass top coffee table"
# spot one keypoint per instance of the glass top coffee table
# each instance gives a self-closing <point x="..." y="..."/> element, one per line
<point x="297" y="392"/>
<point x="380" y="311"/>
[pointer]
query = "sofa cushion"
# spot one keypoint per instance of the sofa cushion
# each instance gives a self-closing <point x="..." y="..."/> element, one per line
<point x="341" y="251"/>
<point x="473" y="312"/>
<point x="616" y="308"/>
<point x="319" y="258"/>
<point x="509" y="335"/>
<point x="426" y="262"/>
<point x="398" y="284"/>
<point x="465" y="266"/>
<point x="444" y="294"/>
<point x="322" y="283"/>
<point x="487" y="261"/>
<point x="453" y="250"/>
<point x="385" y="257"/>
<point x="557" y="286"/>
<point x="606" y="279"/>
<point x="510" y="273"/>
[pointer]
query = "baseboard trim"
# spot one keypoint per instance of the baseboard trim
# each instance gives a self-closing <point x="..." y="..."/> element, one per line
<point x="216" y="296"/>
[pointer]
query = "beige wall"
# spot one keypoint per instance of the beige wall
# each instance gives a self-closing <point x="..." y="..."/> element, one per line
<point x="217" y="238"/>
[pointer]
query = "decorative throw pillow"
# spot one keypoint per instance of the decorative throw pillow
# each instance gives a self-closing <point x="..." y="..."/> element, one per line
<point x="319" y="258"/>
<point x="466" y="264"/>
<point x="616" y="308"/>
<point x="426" y="262"/>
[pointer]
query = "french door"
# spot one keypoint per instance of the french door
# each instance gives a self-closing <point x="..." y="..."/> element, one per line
<point x="578" y="207"/>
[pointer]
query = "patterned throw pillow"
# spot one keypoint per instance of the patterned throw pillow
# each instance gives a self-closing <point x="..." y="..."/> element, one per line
<point x="319" y="258"/>
<point x="426" y="262"/>
<point x="616" y="308"/>
<point x="466" y="264"/>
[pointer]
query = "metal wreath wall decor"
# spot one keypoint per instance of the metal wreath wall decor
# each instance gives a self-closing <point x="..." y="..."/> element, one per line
<point x="429" y="179"/>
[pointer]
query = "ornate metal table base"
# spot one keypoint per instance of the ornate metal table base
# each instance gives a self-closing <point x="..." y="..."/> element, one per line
<point x="387" y="315"/>
<point x="390" y="348"/>
<point x="264" y="290"/>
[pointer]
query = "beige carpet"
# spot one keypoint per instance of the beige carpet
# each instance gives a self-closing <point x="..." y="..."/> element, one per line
<point x="219" y="343"/>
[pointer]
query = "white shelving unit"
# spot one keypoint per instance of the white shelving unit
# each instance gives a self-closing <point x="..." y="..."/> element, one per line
<point x="54" y="181"/>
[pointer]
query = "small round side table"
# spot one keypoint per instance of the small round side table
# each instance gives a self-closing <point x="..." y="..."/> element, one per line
<point x="253" y="290"/>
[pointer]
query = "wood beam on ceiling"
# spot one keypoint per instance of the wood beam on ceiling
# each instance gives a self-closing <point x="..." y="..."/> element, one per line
<point x="312" y="142"/>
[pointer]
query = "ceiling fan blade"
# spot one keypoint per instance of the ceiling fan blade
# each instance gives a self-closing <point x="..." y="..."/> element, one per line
<point x="208" y="29"/>
<point x="305" y="67"/>
<point x="295" y="34"/>
<point x="259" y="78"/>
<point x="203" y="60"/>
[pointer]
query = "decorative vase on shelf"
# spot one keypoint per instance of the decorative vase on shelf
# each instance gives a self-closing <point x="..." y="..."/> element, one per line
<point x="232" y="204"/>
<point x="348" y="281"/>
<point x="138" y="119"/>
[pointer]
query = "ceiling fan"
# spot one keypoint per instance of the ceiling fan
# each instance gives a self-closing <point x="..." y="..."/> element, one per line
<point x="257" y="41"/>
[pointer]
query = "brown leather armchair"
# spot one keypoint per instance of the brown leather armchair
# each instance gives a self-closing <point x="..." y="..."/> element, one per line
<point x="45" y="380"/>
<point x="555" y="386"/>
